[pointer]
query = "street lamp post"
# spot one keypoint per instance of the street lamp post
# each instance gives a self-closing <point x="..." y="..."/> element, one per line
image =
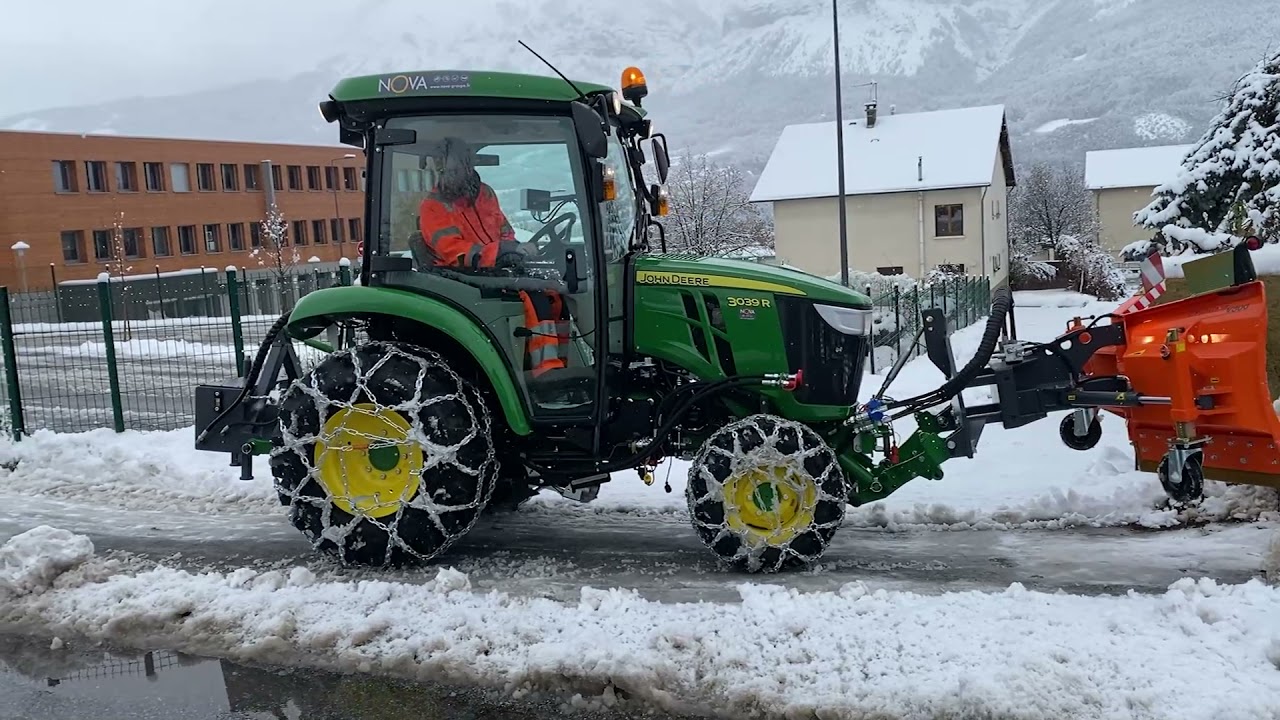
<point x="20" y="249"/>
<point x="840" y="198"/>
<point x="337" y="214"/>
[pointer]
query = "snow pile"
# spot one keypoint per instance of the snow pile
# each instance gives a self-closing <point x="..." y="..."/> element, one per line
<point x="1051" y="299"/>
<point x="153" y="349"/>
<point x="31" y="561"/>
<point x="851" y="653"/>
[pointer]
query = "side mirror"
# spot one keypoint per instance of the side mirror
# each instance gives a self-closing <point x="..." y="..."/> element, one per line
<point x="590" y="128"/>
<point x="354" y="138"/>
<point x="661" y="158"/>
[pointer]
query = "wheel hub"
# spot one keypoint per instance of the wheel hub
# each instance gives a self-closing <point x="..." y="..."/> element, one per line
<point x="366" y="460"/>
<point x="769" y="504"/>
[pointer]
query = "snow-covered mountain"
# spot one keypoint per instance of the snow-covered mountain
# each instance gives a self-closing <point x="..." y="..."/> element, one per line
<point x="726" y="75"/>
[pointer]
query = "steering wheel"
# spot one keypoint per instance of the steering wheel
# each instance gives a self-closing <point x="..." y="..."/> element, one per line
<point x="558" y="240"/>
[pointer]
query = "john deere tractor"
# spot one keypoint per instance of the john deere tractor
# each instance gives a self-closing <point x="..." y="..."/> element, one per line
<point x="429" y="409"/>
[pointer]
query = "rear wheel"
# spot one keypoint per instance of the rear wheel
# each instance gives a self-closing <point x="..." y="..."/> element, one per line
<point x="385" y="456"/>
<point x="766" y="493"/>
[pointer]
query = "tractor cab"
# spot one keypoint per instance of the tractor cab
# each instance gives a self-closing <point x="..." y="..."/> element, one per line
<point x="516" y="200"/>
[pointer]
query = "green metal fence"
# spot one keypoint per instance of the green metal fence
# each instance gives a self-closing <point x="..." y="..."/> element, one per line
<point x="897" y="305"/>
<point x="122" y="355"/>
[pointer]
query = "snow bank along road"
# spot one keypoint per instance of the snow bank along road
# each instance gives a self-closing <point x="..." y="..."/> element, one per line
<point x="1033" y="581"/>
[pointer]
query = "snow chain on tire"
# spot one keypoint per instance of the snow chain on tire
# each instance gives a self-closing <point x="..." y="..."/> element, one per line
<point x="443" y="469"/>
<point x="801" y="467"/>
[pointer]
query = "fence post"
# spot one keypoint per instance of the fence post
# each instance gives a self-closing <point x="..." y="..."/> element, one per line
<point x="237" y="331"/>
<point x="16" y="423"/>
<point x="109" y="339"/>
<point x="159" y="293"/>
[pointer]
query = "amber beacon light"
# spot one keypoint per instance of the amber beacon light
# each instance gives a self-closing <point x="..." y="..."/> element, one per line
<point x="634" y="88"/>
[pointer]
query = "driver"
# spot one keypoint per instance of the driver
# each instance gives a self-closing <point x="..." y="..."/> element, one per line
<point x="463" y="225"/>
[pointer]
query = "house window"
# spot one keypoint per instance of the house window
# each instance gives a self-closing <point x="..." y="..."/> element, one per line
<point x="95" y="173"/>
<point x="72" y="246"/>
<point x="348" y="178"/>
<point x="295" y="177"/>
<point x="160" y="242"/>
<point x="153" y="174"/>
<point x="948" y="220"/>
<point x="299" y="232"/>
<point x="230" y="178"/>
<point x="317" y="229"/>
<point x="180" y="176"/>
<point x="330" y="178"/>
<point x="213" y="238"/>
<point x="255" y="234"/>
<point x="354" y="225"/>
<point x="277" y="180"/>
<point x="952" y="268"/>
<point x="101" y="244"/>
<point x="64" y="176"/>
<point x="313" y="177"/>
<point x="131" y="239"/>
<point x="235" y="236"/>
<point x="187" y="239"/>
<point x="252" y="177"/>
<point x="127" y="177"/>
<point x="204" y="177"/>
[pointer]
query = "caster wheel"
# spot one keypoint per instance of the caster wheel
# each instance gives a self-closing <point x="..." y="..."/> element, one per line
<point x="1067" y="431"/>
<point x="1190" y="487"/>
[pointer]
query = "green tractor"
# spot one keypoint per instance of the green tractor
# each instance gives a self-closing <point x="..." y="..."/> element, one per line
<point x="436" y="401"/>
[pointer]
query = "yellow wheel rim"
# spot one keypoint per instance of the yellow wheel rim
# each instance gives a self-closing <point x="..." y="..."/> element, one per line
<point x="366" y="462"/>
<point x="769" y="505"/>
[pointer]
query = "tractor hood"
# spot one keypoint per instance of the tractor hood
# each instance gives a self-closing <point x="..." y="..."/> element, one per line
<point x="697" y="271"/>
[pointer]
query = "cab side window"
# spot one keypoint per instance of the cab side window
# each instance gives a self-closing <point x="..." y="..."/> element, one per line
<point x="619" y="213"/>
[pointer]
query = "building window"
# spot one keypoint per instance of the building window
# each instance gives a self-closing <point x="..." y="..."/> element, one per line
<point x="127" y="177"/>
<point x="230" y="178"/>
<point x="299" y="232"/>
<point x="952" y="268"/>
<point x="295" y="177"/>
<point x="335" y="229"/>
<point x="213" y="238"/>
<point x="354" y="226"/>
<point x="317" y="229"/>
<point x="255" y="234"/>
<point x="348" y="178"/>
<point x="131" y="239"/>
<point x="160" y="242"/>
<point x="252" y="177"/>
<point x="313" y="177"/>
<point x="101" y="244"/>
<point x="235" y="236"/>
<point x="204" y="177"/>
<point x="72" y="246"/>
<point x="948" y="220"/>
<point x="153" y="175"/>
<point x="277" y="180"/>
<point x="64" y="176"/>
<point x="95" y="174"/>
<point x="180" y="176"/>
<point x="187" y="239"/>
<point x="330" y="178"/>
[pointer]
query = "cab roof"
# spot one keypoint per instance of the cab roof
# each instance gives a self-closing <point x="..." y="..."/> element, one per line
<point x="466" y="83"/>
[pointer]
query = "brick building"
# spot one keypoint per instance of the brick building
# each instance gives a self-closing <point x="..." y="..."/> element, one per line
<point x="181" y="203"/>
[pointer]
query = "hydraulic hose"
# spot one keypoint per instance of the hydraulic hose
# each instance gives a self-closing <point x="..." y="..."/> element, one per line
<point x="1000" y="304"/>
<point x="251" y="379"/>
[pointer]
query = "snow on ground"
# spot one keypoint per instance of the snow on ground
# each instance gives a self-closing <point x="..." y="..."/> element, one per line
<point x="778" y="653"/>
<point x="31" y="561"/>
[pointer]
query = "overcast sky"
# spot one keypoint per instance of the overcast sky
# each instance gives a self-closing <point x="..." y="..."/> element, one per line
<point x="61" y="52"/>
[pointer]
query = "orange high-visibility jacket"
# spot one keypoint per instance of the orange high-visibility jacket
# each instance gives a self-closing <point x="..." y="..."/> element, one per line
<point x="466" y="233"/>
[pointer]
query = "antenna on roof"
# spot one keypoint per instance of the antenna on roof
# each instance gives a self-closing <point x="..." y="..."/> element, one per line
<point x="581" y="95"/>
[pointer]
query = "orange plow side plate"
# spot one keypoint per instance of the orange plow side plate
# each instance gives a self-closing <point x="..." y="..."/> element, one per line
<point x="1215" y="374"/>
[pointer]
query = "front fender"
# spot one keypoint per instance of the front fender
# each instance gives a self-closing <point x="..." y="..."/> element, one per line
<point x="320" y="309"/>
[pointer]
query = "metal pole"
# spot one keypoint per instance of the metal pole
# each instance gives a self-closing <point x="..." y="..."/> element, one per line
<point x="57" y="294"/>
<point x="109" y="341"/>
<point x="840" y="198"/>
<point x="10" y="366"/>
<point x="237" y="330"/>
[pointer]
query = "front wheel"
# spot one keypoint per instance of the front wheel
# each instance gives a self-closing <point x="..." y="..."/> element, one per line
<point x="766" y="493"/>
<point x="386" y="454"/>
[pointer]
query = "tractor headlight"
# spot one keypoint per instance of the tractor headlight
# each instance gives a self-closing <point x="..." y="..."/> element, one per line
<point x="846" y="320"/>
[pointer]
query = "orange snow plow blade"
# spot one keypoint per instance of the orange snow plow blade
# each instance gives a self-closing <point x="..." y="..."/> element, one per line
<point x="1207" y="356"/>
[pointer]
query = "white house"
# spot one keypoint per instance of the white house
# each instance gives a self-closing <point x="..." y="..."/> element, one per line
<point x="1122" y="182"/>
<point x="923" y="191"/>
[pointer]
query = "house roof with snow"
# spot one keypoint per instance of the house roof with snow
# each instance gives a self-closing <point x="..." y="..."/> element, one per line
<point x="902" y="152"/>
<point x="1138" y="167"/>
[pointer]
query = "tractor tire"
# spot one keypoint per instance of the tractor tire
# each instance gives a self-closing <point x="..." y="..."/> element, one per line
<point x="766" y="494"/>
<point x="386" y="455"/>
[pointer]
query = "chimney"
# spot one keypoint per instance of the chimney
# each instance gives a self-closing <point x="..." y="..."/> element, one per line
<point x="871" y="114"/>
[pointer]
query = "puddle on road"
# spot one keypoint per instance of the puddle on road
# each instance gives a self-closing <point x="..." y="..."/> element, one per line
<point x="92" y="683"/>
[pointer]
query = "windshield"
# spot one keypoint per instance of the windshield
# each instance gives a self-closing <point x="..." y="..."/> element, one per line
<point x="528" y="164"/>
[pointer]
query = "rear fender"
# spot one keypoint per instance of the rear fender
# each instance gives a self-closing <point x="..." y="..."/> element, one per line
<point x="320" y="309"/>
